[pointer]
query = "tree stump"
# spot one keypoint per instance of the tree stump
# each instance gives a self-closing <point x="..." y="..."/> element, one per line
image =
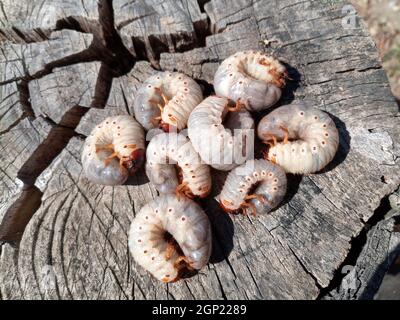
<point x="66" y="65"/>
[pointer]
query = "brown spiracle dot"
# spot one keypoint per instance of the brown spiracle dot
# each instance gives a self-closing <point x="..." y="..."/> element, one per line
<point x="180" y="78"/>
<point x="230" y="74"/>
<point x="302" y="150"/>
<point x="118" y="127"/>
<point x="125" y="146"/>
<point x="118" y="134"/>
<point x="186" y="89"/>
<point x="185" y="83"/>
<point x="107" y="122"/>
<point x="183" y="218"/>
<point x="275" y="188"/>
<point x="314" y="148"/>
<point x="270" y="174"/>
<point x="326" y="134"/>
<point x="156" y="210"/>
<point x="191" y="171"/>
<point x="169" y="210"/>
<point x="240" y="82"/>
<point x="275" y="180"/>
<point x="139" y="240"/>
<point x="145" y="251"/>
<point x="302" y="113"/>
<point x="113" y="122"/>
<point x="316" y="118"/>
<point x="324" y="126"/>
<point x="140" y="228"/>
<point x="323" y="142"/>
<point x="149" y="86"/>
<point x="152" y="258"/>
<point x="193" y="177"/>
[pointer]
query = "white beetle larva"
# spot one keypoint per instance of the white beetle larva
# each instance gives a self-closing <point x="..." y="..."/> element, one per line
<point x="222" y="147"/>
<point x="264" y="180"/>
<point x="163" y="151"/>
<point x="166" y="99"/>
<point x="169" y="236"/>
<point x="113" y="150"/>
<point x="302" y="139"/>
<point x="253" y="77"/>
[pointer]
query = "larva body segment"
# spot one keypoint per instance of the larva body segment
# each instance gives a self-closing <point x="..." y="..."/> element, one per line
<point x="253" y="77"/>
<point x="169" y="235"/>
<point x="166" y="99"/>
<point x="113" y="150"/>
<point x="223" y="145"/>
<point x="310" y="138"/>
<point x="167" y="149"/>
<point x="264" y="180"/>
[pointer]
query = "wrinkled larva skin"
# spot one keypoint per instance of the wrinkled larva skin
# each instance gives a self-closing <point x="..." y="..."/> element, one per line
<point x="215" y="143"/>
<point x="182" y="92"/>
<point x="313" y="138"/>
<point x="253" y="77"/>
<point x="122" y="132"/>
<point x="176" y="148"/>
<point x="185" y="221"/>
<point x="270" y="180"/>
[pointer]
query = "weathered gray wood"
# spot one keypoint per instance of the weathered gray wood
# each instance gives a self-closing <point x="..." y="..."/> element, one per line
<point x="382" y="247"/>
<point x="16" y="146"/>
<point x="149" y="27"/>
<point x="75" y="245"/>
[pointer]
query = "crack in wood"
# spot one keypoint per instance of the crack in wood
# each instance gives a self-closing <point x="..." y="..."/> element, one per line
<point x="356" y="246"/>
<point x="116" y="60"/>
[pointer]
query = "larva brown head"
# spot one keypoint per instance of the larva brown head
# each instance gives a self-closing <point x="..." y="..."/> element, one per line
<point x="166" y="127"/>
<point x="134" y="161"/>
<point x="224" y="205"/>
<point x="279" y="78"/>
<point x="206" y="192"/>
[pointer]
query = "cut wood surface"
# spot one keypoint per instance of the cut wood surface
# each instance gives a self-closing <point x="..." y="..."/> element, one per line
<point x="66" y="65"/>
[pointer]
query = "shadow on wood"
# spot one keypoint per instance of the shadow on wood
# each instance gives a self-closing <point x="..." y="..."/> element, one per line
<point x="344" y="145"/>
<point x="292" y="84"/>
